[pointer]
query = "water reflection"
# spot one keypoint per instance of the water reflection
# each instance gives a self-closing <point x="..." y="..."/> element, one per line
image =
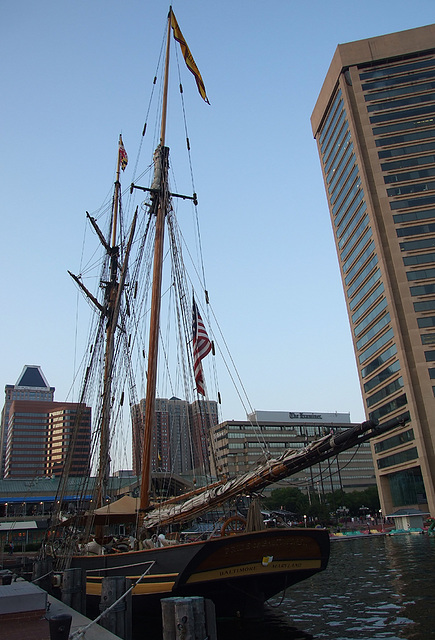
<point x="380" y="587"/>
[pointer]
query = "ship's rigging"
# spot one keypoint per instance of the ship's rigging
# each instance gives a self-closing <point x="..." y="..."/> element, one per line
<point x="133" y="293"/>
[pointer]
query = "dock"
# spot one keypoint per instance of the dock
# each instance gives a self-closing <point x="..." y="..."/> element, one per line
<point x="25" y="610"/>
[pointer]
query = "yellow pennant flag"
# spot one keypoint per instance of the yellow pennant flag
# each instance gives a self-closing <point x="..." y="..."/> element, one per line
<point x="188" y="57"/>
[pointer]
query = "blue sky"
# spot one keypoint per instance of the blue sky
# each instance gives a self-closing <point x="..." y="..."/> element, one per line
<point x="76" y="74"/>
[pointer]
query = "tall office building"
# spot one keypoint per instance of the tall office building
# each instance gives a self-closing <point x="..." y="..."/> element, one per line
<point x="69" y="426"/>
<point x="40" y="434"/>
<point x="179" y="440"/>
<point x="203" y="416"/>
<point x="170" y="439"/>
<point x="374" y="123"/>
<point x="35" y="431"/>
<point x="30" y="386"/>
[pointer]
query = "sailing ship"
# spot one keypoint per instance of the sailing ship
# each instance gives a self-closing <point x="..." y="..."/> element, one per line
<point x="241" y="564"/>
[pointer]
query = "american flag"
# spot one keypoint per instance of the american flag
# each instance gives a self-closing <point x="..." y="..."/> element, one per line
<point x="201" y="347"/>
<point x="123" y="158"/>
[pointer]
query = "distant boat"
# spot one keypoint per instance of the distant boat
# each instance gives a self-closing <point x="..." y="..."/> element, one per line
<point x="241" y="564"/>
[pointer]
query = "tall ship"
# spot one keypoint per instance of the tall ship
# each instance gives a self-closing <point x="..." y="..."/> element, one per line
<point x="239" y="564"/>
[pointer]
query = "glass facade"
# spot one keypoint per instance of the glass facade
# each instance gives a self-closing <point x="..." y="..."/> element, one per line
<point x="407" y="80"/>
<point x="419" y="180"/>
<point x="397" y="458"/>
<point x="407" y="487"/>
<point x="362" y="277"/>
<point x="376" y="139"/>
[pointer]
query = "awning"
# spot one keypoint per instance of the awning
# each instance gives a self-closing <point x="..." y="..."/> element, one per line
<point x="18" y="525"/>
<point x="123" y="510"/>
<point x="407" y="513"/>
<point x="32" y="499"/>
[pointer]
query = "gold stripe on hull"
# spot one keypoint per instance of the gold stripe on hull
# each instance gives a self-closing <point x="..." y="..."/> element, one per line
<point x="93" y="585"/>
<point x="140" y="589"/>
<point x="280" y="566"/>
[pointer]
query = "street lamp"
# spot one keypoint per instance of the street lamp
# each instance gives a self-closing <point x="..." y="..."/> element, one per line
<point x="305" y="520"/>
<point x="363" y="510"/>
<point x="342" y="512"/>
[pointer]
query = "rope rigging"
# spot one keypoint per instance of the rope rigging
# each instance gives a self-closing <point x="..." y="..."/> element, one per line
<point x="127" y="370"/>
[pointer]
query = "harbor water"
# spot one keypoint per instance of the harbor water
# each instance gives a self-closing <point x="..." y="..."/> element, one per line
<point x="378" y="587"/>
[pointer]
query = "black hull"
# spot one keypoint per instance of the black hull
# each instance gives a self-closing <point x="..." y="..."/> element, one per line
<point x="239" y="573"/>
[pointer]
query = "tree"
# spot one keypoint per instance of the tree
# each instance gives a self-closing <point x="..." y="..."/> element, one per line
<point x="368" y="498"/>
<point x="321" y="507"/>
<point x="354" y="500"/>
<point x="337" y="499"/>
<point x="289" y="499"/>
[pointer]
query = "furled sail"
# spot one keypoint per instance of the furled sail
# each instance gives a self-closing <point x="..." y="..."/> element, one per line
<point x="271" y="471"/>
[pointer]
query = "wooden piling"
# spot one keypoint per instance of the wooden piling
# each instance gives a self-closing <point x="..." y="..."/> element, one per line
<point x="188" y="619"/>
<point x="168" y="618"/>
<point x="199" y="617"/>
<point x="43" y="569"/>
<point x="74" y="589"/>
<point x="118" y="620"/>
<point x="210" y="619"/>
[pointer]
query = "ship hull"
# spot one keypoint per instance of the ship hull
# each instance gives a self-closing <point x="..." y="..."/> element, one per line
<point x="239" y="573"/>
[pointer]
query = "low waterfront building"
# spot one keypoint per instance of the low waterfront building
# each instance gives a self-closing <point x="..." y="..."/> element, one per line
<point x="239" y="445"/>
<point x="27" y="504"/>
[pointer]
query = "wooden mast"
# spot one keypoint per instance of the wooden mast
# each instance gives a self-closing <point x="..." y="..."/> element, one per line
<point x="160" y="198"/>
<point x="116" y="199"/>
<point x="112" y="318"/>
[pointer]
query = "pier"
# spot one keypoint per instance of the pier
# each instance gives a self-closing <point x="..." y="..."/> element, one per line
<point x="25" y="611"/>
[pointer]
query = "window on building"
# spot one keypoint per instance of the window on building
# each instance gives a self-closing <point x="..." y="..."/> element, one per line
<point x="382" y="376"/>
<point x="373" y="331"/>
<point x="421" y="274"/>
<point x="422" y="258"/>
<point x="395" y="441"/>
<point x="425" y="305"/>
<point x="422" y="289"/>
<point x="414" y="202"/>
<point x="374" y="313"/>
<point x="375" y="346"/>
<point x="407" y="487"/>
<point x="391" y="406"/>
<point x="398" y="458"/>
<point x="379" y="361"/>
<point x="364" y="290"/>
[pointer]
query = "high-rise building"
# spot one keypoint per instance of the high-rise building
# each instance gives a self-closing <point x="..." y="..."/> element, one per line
<point x="30" y="386"/>
<point x="69" y="427"/>
<point x="374" y="123"/>
<point x="40" y="434"/>
<point x="239" y="446"/>
<point x="179" y="441"/>
<point x="173" y="450"/>
<point x="36" y="432"/>
<point x="203" y="416"/>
